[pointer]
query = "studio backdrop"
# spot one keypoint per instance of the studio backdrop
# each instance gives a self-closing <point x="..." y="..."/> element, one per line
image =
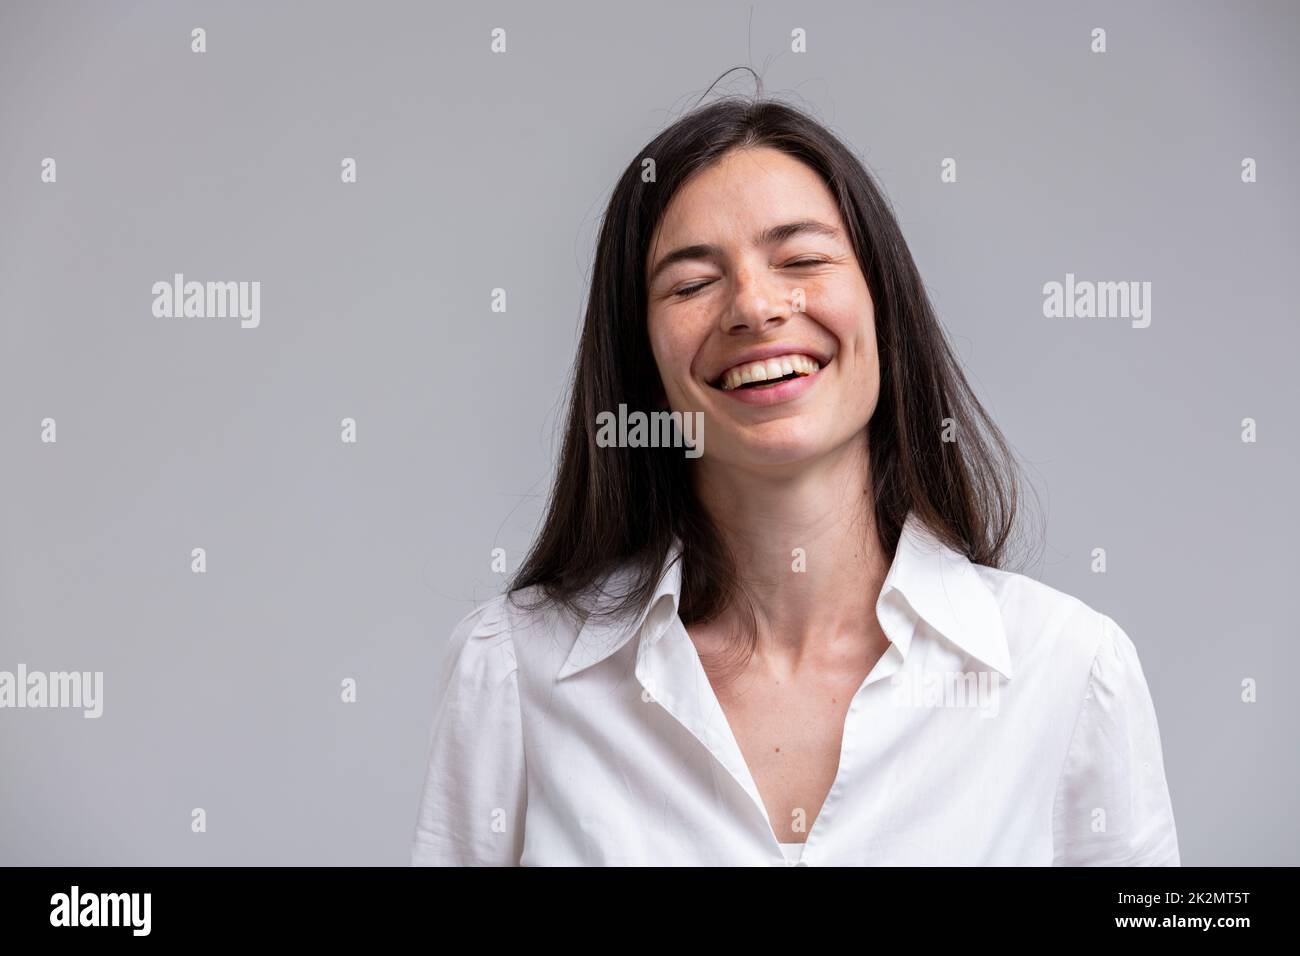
<point x="248" y="519"/>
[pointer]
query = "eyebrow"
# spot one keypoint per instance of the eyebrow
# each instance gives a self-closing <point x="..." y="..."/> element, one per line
<point x="768" y="237"/>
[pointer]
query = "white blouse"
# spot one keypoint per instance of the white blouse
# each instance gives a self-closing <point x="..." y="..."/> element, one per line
<point x="1008" y="723"/>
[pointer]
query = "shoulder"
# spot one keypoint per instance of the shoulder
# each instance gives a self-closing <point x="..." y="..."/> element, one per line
<point x="1060" y="637"/>
<point x="1077" y="657"/>
<point x="484" y="625"/>
<point x="477" y="656"/>
<point x="516" y="629"/>
<point x="507" y="615"/>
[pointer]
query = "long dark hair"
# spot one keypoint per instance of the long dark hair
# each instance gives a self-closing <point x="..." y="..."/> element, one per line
<point x="613" y="507"/>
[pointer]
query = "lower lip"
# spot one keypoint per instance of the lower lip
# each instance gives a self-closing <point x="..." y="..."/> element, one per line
<point x="774" y="394"/>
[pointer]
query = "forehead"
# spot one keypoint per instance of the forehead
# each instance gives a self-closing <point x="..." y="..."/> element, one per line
<point x="747" y="189"/>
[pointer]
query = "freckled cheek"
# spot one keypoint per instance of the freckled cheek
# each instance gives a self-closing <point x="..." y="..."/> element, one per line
<point x="673" y="357"/>
<point x="854" y="344"/>
<point x="862" y="373"/>
<point x="850" y="320"/>
<point x="662" y="356"/>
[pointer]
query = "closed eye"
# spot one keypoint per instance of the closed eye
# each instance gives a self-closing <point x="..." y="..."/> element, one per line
<point x="690" y="290"/>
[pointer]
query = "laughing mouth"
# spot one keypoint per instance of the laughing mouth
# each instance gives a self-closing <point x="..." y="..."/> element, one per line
<point x="768" y="372"/>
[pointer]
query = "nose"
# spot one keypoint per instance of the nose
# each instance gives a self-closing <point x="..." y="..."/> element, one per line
<point x="758" y="302"/>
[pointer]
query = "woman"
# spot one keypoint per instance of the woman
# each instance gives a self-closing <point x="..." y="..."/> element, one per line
<point x="793" y="643"/>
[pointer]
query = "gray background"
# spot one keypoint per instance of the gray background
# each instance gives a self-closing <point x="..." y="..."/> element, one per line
<point x="328" y="561"/>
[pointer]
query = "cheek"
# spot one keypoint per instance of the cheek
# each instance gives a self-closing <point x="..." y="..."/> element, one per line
<point x="673" y="353"/>
<point x="675" y="346"/>
<point x="849" y="315"/>
<point x="661" y="343"/>
<point x="866" y="367"/>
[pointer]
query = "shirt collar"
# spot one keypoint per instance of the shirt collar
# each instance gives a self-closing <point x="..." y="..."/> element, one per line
<point x="934" y="582"/>
<point x="599" y="638"/>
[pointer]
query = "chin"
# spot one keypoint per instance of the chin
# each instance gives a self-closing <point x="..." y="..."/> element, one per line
<point x="783" y="446"/>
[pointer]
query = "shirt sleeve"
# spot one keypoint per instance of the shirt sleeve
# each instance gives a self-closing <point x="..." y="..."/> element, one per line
<point x="475" y="787"/>
<point x="1112" y="802"/>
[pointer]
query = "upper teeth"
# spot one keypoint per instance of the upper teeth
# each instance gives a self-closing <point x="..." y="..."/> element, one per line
<point x="772" y="368"/>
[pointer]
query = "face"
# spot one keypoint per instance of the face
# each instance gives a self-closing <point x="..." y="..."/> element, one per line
<point x="759" y="315"/>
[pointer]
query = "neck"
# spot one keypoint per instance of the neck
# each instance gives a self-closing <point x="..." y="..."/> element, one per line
<point x="818" y="601"/>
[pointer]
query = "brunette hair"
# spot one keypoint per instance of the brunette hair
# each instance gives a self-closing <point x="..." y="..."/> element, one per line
<point x="612" y="507"/>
